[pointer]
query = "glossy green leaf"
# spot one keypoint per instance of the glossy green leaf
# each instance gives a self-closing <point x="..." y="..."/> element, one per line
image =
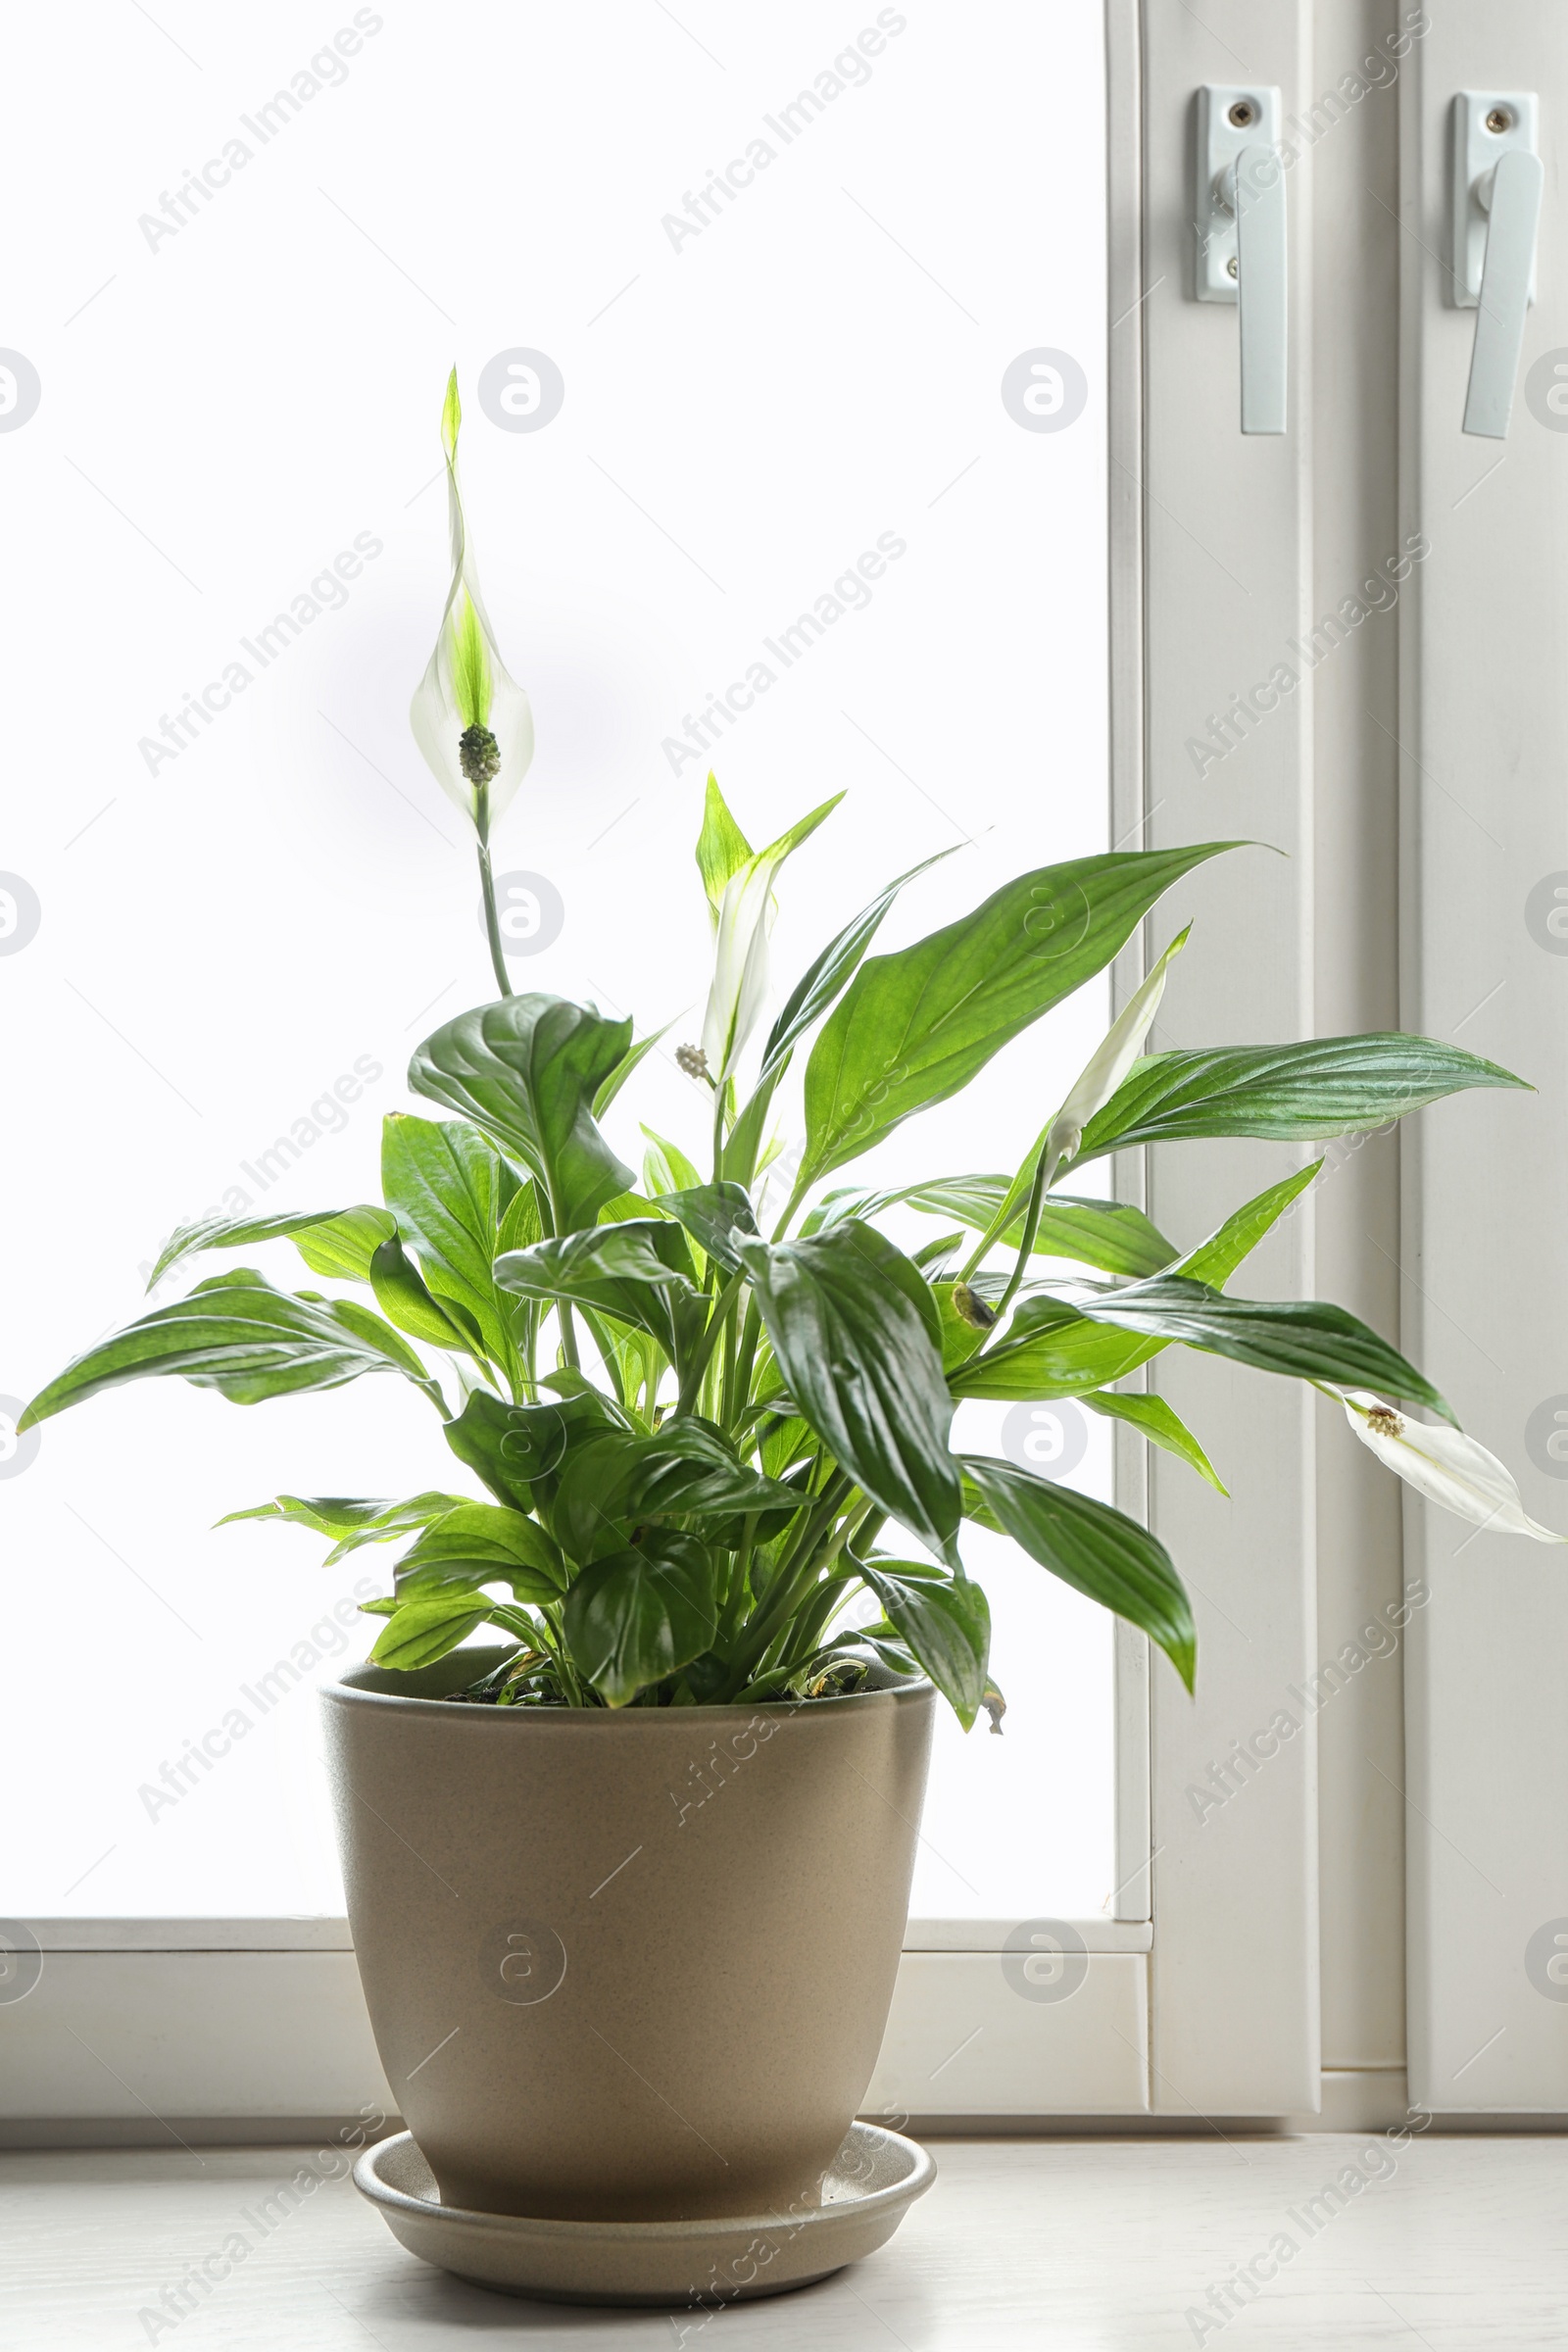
<point x="351" y="1521"/>
<point x="945" y="1624"/>
<point x="483" y="1542"/>
<point x="639" y="1272"/>
<point x="526" y="1071"/>
<point x="635" y="1616"/>
<point x="632" y="1059"/>
<point x="1095" y="1550"/>
<point x="516" y="1448"/>
<point x="1162" y="1425"/>
<point x="402" y="1297"/>
<point x="666" y="1167"/>
<point x="1050" y="1349"/>
<point x="1326" y="1086"/>
<point x="451" y="1191"/>
<point x="375" y="1330"/>
<point x="418" y="1632"/>
<point x="342" y="1239"/>
<point x="856" y="1337"/>
<point x="718" y="1216"/>
<point x="1215" y="1260"/>
<point x="825" y="978"/>
<point x="686" y="1469"/>
<point x="237" y="1335"/>
<point x="914" y="1027"/>
<point x="1109" y="1233"/>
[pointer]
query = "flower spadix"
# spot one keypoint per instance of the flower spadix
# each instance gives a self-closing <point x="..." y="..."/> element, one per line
<point x="470" y="719"/>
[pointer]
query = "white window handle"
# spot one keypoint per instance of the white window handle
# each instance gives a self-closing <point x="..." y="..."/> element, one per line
<point x="1497" y="205"/>
<point x="1240" y="217"/>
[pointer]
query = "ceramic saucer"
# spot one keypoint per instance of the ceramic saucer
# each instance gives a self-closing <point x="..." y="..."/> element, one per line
<point x="871" y="2184"/>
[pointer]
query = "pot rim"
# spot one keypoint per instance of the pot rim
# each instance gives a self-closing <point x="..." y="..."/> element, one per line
<point x="348" y="1690"/>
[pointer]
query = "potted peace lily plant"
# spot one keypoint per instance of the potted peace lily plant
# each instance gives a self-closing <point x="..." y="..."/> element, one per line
<point x="627" y="1882"/>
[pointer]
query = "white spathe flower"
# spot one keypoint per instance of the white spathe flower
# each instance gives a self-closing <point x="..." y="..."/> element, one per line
<point x="746" y="917"/>
<point x="470" y="717"/>
<point x="1111" y="1059"/>
<point x="1444" y="1465"/>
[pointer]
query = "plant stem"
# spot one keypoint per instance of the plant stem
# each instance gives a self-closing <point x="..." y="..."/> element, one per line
<point x="1045" y="1170"/>
<point x="481" y="804"/>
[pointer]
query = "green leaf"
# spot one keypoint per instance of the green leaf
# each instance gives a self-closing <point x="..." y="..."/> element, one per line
<point x="641" y="1272"/>
<point x="376" y="1332"/>
<point x="402" y="1297"/>
<point x="628" y="1063"/>
<point x="914" y="1027"/>
<point x="1050" y="1349"/>
<point x="352" y="1521"/>
<point x="1095" y="1550"/>
<point x="1107" y="1234"/>
<point x="1327" y="1086"/>
<point x="722" y="849"/>
<point x="526" y="1070"/>
<point x="666" y="1167"/>
<point x="943" y="1622"/>
<point x="856" y="1337"/>
<point x="450" y="1192"/>
<point x="637" y="1615"/>
<point x="516" y="1448"/>
<point x="683" y="1470"/>
<point x="344" y="1237"/>
<point x="718" y="1216"/>
<point x="418" y="1632"/>
<point x="821" y="983"/>
<point x="1215" y="1260"/>
<point x="1162" y="1425"/>
<point x="237" y="1335"/>
<point x="483" y="1542"/>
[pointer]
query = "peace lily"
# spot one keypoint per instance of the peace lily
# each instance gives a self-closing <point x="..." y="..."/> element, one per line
<point x="742" y="906"/>
<point x="1444" y="1465"/>
<point x="470" y="719"/>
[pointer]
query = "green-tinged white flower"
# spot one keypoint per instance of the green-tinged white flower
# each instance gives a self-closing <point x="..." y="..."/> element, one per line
<point x="1111" y="1059"/>
<point x="470" y="717"/>
<point x="1444" y="1465"/>
<point x="741" y="883"/>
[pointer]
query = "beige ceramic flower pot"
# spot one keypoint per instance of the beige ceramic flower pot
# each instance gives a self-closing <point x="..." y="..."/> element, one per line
<point x="625" y="1966"/>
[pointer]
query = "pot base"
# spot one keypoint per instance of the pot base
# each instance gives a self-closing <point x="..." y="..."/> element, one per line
<point x="854" y="2208"/>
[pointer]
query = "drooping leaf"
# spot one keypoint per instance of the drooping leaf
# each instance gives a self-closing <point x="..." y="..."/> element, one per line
<point x="450" y="1191"/>
<point x="402" y="1297"/>
<point x="1327" y="1086"/>
<point x="336" y="1242"/>
<point x="375" y="1330"/>
<point x="914" y="1027"/>
<point x="484" y="1543"/>
<point x="641" y="1272"/>
<point x="1095" y="1550"/>
<point x="856" y="1337"/>
<point x="1109" y="1233"/>
<point x="237" y="1335"/>
<point x="945" y="1623"/>
<point x="686" y="1469"/>
<point x="1161" y="1424"/>
<point x="352" y="1522"/>
<point x="515" y="1448"/>
<point x="638" y="1614"/>
<point x="718" y="1216"/>
<point x="418" y="1632"/>
<point x="526" y="1071"/>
